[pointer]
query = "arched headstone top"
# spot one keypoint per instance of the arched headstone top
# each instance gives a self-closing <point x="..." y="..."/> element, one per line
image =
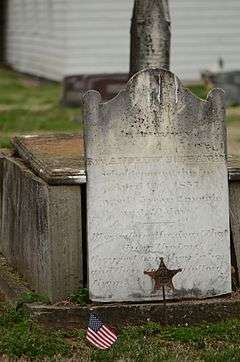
<point x="156" y="78"/>
<point x="156" y="103"/>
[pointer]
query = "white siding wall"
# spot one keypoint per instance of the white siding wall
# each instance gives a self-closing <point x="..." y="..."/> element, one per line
<point x="36" y="37"/>
<point x="53" y="38"/>
<point x="98" y="34"/>
<point x="203" y="31"/>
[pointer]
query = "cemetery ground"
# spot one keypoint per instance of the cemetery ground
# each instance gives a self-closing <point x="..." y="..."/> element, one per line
<point x="23" y="339"/>
<point x="32" y="106"/>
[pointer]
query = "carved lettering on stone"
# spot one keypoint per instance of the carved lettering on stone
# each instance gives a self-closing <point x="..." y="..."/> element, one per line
<point x="156" y="188"/>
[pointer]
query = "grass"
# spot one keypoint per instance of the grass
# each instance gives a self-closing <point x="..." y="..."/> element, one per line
<point x="233" y="118"/>
<point x="152" y="342"/>
<point x="28" y="106"/>
<point x="32" y="297"/>
<point x="80" y="297"/>
<point x="20" y="337"/>
<point x="200" y="90"/>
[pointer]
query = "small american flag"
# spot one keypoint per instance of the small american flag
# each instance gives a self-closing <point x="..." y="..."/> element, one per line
<point x="98" y="334"/>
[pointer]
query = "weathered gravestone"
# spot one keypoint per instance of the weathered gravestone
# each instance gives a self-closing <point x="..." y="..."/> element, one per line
<point x="228" y="81"/>
<point x="156" y="188"/>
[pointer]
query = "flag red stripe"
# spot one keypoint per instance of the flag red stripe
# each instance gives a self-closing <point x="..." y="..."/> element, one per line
<point x="109" y="332"/>
<point x="95" y="343"/>
<point x="108" y="335"/>
<point x="99" y="338"/>
<point x="105" y="337"/>
<point x="96" y="335"/>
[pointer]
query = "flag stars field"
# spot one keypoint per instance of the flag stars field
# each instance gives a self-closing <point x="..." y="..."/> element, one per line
<point x="98" y="334"/>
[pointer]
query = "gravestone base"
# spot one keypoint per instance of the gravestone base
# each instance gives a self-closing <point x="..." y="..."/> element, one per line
<point x="122" y="315"/>
<point x="41" y="230"/>
<point x="118" y="315"/>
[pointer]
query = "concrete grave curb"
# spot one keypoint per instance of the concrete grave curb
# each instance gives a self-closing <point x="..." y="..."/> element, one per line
<point x="121" y="315"/>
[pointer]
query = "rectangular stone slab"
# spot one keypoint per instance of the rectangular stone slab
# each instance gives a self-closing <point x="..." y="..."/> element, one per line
<point x="41" y="230"/>
<point x="58" y="159"/>
<point x="157" y="187"/>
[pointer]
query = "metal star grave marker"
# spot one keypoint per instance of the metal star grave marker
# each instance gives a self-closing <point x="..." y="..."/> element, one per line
<point x="162" y="276"/>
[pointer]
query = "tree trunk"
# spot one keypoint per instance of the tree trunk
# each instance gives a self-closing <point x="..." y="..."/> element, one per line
<point x="150" y="35"/>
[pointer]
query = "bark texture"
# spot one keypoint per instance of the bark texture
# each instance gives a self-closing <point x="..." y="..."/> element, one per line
<point x="150" y="35"/>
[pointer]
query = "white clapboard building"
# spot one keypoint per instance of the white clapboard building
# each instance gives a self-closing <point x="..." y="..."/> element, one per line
<point x="55" y="38"/>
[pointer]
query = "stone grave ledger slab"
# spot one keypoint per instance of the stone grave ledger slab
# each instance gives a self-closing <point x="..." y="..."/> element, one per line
<point x="157" y="192"/>
<point x="58" y="159"/>
<point x="42" y="225"/>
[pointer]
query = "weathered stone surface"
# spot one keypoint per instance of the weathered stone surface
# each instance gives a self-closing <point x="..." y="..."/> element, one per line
<point x="150" y="35"/>
<point x="12" y="286"/>
<point x="229" y="82"/>
<point x="234" y="205"/>
<point x="57" y="159"/>
<point x="156" y="187"/>
<point x="122" y="315"/>
<point x="233" y="169"/>
<point x="234" y="195"/>
<point x="41" y="230"/>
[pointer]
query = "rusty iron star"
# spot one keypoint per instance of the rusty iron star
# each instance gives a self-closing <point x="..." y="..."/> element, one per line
<point x="162" y="276"/>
